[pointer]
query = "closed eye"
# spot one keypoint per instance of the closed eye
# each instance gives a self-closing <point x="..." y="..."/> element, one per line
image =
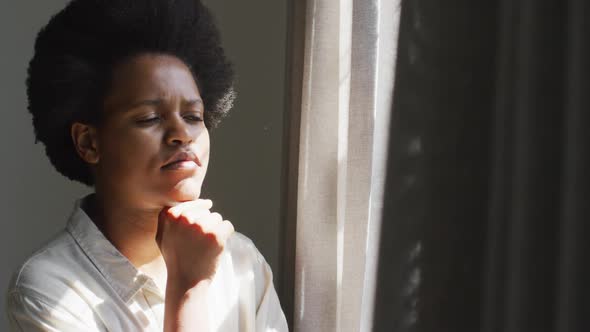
<point x="193" y="118"/>
<point x="149" y="120"/>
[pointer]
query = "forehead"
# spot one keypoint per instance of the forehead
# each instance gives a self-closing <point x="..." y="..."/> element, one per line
<point x="151" y="76"/>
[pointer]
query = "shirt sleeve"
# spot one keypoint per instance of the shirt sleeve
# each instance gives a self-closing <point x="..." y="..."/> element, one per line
<point x="32" y="313"/>
<point x="269" y="315"/>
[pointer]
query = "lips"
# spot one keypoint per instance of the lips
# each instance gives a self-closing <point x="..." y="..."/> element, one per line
<point x="182" y="160"/>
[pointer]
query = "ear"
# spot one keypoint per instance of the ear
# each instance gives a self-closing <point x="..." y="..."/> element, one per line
<point x="85" y="141"/>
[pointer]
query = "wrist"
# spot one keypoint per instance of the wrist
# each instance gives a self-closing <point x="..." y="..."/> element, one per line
<point x="179" y="286"/>
<point x="186" y="306"/>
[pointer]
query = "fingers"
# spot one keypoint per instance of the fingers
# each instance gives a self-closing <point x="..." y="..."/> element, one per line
<point x="210" y="220"/>
<point x="199" y="204"/>
<point x="213" y="224"/>
<point x="207" y="221"/>
<point x="198" y="213"/>
<point x="191" y="215"/>
<point x="225" y="229"/>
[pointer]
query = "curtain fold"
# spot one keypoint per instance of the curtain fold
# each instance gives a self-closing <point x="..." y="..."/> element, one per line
<point x="574" y="294"/>
<point x="485" y="222"/>
<point x="346" y="91"/>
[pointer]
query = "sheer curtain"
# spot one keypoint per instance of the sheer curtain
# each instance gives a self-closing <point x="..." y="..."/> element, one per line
<point x="346" y="89"/>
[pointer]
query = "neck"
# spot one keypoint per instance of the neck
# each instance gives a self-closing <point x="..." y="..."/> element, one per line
<point x="131" y="230"/>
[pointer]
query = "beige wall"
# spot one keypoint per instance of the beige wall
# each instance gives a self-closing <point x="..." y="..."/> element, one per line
<point x="244" y="178"/>
<point x="244" y="174"/>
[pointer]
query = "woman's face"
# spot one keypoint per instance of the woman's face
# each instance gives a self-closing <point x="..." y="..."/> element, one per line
<point x="153" y="114"/>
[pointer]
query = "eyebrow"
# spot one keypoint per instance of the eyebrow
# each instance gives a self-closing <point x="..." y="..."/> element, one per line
<point x="159" y="101"/>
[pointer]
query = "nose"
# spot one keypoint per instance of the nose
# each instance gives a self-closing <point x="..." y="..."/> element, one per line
<point x="178" y="132"/>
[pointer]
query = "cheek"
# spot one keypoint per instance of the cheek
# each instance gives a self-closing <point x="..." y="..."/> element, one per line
<point x="205" y="159"/>
<point x="129" y="152"/>
<point x="204" y="146"/>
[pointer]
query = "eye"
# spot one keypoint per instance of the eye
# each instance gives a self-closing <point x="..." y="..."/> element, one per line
<point x="193" y="117"/>
<point x="148" y="120"/>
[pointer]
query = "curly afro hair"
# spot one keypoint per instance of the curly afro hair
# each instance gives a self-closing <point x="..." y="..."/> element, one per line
<point x="75" y="53"/>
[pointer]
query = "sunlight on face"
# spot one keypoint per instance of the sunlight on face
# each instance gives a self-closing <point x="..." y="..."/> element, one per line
<point x="153" y="144"/>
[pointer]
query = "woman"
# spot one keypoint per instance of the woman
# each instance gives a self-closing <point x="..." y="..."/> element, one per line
<point x="123" y="93"/>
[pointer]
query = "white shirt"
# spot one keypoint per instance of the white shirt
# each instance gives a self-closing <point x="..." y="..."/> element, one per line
<point x="80" y="282"/>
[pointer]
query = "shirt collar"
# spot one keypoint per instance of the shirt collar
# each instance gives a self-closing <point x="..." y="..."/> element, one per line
<point x="122" y="276"/>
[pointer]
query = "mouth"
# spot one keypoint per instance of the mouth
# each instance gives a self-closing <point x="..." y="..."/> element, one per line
<point x="180" y="165"/>
<point x="185" y="160"/>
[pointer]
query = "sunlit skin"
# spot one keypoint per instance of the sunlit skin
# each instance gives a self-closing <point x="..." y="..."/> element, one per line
<point x="152" y="112"/>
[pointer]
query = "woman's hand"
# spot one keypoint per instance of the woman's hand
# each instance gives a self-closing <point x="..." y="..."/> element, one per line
<point x="191" y="238"/>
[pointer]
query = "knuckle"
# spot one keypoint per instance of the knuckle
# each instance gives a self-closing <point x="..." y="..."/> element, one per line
<point x="171" y="213"/>
<point x="185" y="219"/>
<point x="204" y="202"/>
<point x="197" y="228"/>
<point x="212" y="239"/>
<point x="197" y="214"/>
<point x="228" y="225"/>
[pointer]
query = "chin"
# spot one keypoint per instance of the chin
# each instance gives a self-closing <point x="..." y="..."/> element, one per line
<point x="185" y="190"/>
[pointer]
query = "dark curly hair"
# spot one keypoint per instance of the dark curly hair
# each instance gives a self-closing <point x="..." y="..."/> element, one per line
<point x="75" y="53"/>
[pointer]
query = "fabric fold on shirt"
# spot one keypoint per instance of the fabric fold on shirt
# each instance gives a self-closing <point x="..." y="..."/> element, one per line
<point x="79" y="281"/>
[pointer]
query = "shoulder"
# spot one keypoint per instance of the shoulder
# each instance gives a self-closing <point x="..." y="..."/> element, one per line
<point x="51" y="258"/>
<point x="46" y="278"/>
